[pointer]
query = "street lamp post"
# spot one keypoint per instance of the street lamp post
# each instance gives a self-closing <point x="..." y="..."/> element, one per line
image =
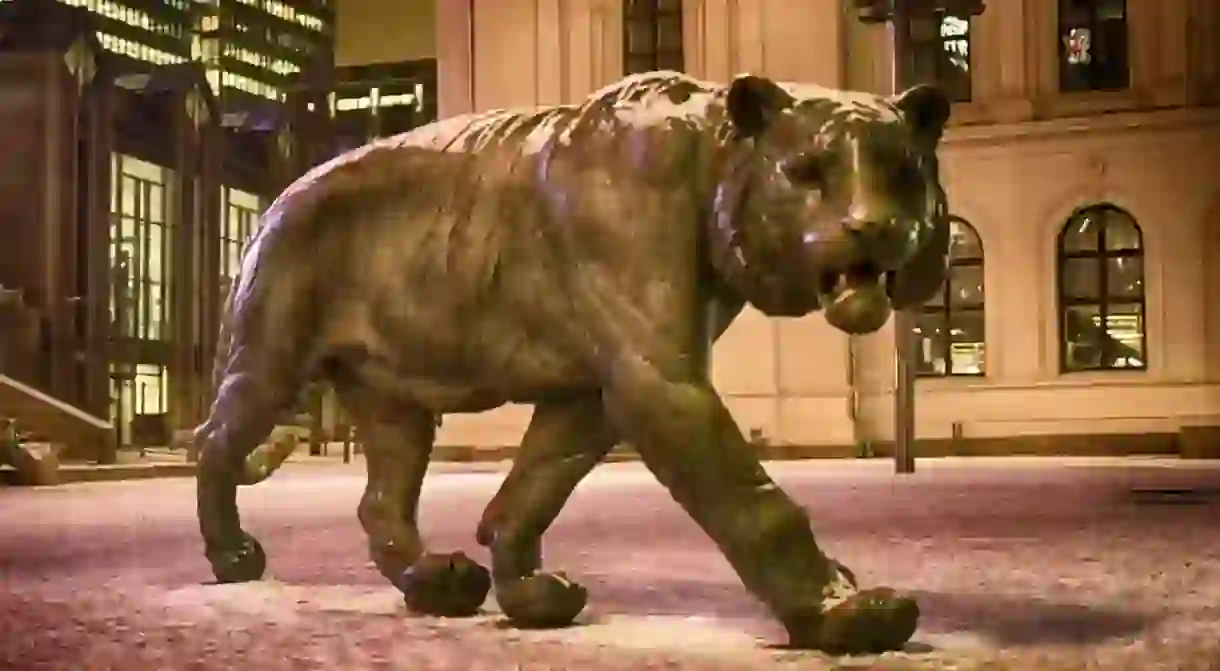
<point x="898" y="14"/>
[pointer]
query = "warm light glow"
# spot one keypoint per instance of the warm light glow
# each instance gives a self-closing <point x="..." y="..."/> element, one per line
<point x="133" y="49"/>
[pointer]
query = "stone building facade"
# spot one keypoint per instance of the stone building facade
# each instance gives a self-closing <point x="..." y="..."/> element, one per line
<point x="1080" y="169"/>
<point x="126" y="199"/>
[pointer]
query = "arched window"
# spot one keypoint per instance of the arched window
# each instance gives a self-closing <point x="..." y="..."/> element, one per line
<point x="652" y="36"/>
<point x="1101" y="291"/>
<point x="950" y="330"/>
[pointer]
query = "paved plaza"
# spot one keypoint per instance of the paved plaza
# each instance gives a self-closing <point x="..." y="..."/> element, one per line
<point x="1020" y="564"/>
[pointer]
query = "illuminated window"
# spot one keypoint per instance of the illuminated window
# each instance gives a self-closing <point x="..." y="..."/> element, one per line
<point x="141" y="389"/>
<point x="1093" y="45"/>
<point x="141" y="236"/>
<point x="241" y="219"/>
<point x="940" y="54"/>
<point x="950" y="331"/>
<point x="136" y="50"/>
<point x="652" y="36"/>
<point x="1101" y="291"/>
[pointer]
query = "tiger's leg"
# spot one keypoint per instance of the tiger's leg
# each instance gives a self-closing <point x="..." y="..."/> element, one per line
<point x="398" y="441"/>
<point x="564" y="441"/>
<point x="690" y="442"/>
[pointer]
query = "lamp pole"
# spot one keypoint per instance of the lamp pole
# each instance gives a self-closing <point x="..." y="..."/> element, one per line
<point x="898" y="14"/>
<point x="904" y="320"/>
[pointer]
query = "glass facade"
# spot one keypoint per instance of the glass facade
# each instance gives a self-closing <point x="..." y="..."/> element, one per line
<point x="139" y="390"/>
<point x="142" y="236"/>
<point x="252" y="46"/>
<point x="155" y="32"/>
<point x="255" y="46"/>
<point x="238" y="223"/>
<point x="141" y="239"/>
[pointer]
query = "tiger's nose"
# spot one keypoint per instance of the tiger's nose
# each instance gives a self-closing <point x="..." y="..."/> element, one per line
<point x="883" y="243"/>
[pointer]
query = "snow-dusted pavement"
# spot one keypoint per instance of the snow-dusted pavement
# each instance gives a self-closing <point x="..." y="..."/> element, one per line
<point x="1020" y="564"/>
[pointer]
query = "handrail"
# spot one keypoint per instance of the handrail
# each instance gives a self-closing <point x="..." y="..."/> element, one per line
<point x="67" y="408"/>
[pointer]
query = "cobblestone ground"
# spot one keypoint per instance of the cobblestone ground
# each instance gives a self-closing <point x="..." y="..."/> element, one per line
<point x="1019" y="564"/>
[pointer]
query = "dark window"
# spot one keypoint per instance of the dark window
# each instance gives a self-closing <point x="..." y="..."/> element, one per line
<point x="652" y="35"/>
<point x="940" y="54"/>
<point x="1093" y="45"/>
<point x="1101" y="291"/>
<point x="950" y="332"/>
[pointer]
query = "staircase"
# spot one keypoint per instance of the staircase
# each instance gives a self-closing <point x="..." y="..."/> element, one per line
<point x="84" y="436"/>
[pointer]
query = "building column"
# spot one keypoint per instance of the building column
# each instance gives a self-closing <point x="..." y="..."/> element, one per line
<point x="178" y="368"/>
<point x="455" y="57"/>
<point x="208" y="240"/>
<point x="99" y="144"/>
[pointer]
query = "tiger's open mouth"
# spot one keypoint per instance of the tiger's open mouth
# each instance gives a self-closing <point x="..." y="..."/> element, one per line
<point x="857" y="301"/>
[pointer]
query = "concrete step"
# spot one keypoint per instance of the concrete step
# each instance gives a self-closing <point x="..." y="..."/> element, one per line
<point x="110" y="472"/>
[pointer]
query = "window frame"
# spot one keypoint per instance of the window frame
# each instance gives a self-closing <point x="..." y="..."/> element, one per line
<point x="135" y="314"/>
<point x="649" y="13"/>
<point x="943" y="312"/>
<point x="1101" y="257"/>
<point x="1093" y="23"/>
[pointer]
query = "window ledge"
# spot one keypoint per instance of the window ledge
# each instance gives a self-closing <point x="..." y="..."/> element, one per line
<point x="1089" y="103"/>
<point x="952" y="382"/>
<point x="1177" y="119"/>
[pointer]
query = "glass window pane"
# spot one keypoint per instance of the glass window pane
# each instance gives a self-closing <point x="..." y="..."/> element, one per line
<point x="966" y="286"/>
<point x="1083" y="338"/>
<point x="234" y="260"/>
<point x="669" y="33"/>
<point x="156" y="203"/>
<point x="938" y="299"/>
<point x="931" y="344"/>
<point x="153" y="311"/>
<point x="1081" y="233"/>
<point x="1125" y="278"/>
<point x="964" y="242"/>
<point x="129" y="190"/>
<point x="1122" y="233"/>
<point x="671" y="60"/>
<point x="1081" y="279"/>
<point x="640" y="38"/>
<point x="639" y="63"/>
<point x="967" y="337"/>
<point x="156" y="254"/>
<point x="1125" y="330"/>
<point x="640" y="8"/>
<point x="924" y="29"/>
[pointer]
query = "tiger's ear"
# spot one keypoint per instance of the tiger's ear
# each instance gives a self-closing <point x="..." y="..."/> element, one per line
<point x="754" y="103"/>
<point x="926" y="110"/>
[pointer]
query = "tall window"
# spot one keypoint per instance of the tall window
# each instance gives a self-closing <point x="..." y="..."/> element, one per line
<point x="652" y="35"/>
<point x="141" y="236"/>
<point x="950" y="331"/>
<point x="1093" y="45"/>
<point x="940" y="53"/>
<point x="1101" y="291"/>
<point x="240" y="221"/>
